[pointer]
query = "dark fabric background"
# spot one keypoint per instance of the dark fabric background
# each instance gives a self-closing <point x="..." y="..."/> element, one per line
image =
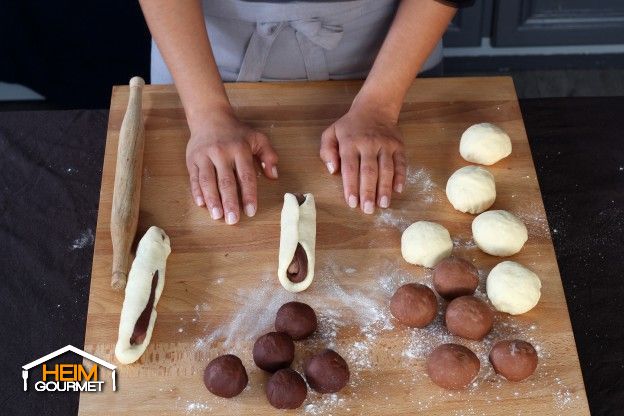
<point x="578" y="150"/>
<point x="72" y="51"/>
<point x="51" y="168"/>
<point x="49" y="186"/>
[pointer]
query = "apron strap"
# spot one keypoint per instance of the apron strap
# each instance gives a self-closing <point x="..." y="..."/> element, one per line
<point x="312" y="36"/>
<point x="258" y="50"/>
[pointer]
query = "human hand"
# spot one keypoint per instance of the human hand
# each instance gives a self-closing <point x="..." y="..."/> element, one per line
<point x="219" y="159"/>
<point x="367" y="147"/>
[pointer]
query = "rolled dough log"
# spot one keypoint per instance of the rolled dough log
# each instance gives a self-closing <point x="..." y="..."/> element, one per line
<point x="298" y="230"/>
<point x="145" y="284"/>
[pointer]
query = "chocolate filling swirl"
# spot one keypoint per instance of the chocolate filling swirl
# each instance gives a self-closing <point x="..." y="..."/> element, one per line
<point x="140" y="328"/>
<point x="298" y="269"/>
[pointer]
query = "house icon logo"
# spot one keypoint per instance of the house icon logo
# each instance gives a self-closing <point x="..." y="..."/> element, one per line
<point x="69" y="377"/>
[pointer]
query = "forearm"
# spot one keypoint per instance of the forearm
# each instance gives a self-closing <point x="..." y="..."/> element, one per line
<point x="417" y="28"/>
<point x="179" y="31"/>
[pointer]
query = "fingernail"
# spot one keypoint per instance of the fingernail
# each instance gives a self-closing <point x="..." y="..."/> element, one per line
<point x="383" y="202"/>
<point x="199" y="201"/>
<point x="274" y="171"/>
<point x="330" y="167"/>
<point x="399" y="188"/>
<point x="353" y="201"/>
<point x="250" y="210"/>
<point x="231" y="218"/>
<point x="216" y="213"/>
<point x="369" y="207"/>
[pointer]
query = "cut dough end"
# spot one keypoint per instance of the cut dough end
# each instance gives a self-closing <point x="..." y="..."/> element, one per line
<point x="297" y="242"/>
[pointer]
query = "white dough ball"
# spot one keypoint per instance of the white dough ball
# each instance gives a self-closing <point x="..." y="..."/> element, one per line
<point x="425" y="243"/>
<point x="513" y="288"/>
<point x="485" y="144"/>
<point x="499" y="233"/>
<point x="471" y="189"/>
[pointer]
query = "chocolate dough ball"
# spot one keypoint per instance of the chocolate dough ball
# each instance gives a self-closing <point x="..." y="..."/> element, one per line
<point x="273" y="351"/>
<point x="452" y="366"/>
<point x="454" y="277"/>
<point x="469" y="317"/>
<point x="515" y="360"/>
<point x="326" y="372"/>
<point x="286" y="389"/>
<point x="225" y="376"/>
<point x="414" y="305"/>
<point x="296" y="319"/>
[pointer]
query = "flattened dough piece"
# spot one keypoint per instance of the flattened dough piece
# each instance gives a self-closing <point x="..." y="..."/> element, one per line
<point x="145" y="284"/>
<point x="297" y="241"/>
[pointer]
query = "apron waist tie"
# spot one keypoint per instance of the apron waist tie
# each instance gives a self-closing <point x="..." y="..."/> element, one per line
<point x="313" y="38"/>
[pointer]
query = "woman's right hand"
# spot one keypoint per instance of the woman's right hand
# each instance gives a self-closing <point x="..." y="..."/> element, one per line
<point x="219" y="158"/>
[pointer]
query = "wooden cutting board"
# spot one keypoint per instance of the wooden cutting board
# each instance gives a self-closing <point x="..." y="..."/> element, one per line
<point x="221" y="288"/>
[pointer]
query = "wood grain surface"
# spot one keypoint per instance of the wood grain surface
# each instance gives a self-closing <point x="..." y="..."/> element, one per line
<point x="221" y="289"/>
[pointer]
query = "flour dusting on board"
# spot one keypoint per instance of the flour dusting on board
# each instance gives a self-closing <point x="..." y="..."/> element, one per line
<point x="420" y="188"/>
<point x="351" y="322"/>
<point x="355" y="320"/>
<point x="420" y="183"/>
<point x="533" y="216"/>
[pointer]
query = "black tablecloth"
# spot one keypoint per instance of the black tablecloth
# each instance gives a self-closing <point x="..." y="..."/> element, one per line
<point x="49" y="185"/>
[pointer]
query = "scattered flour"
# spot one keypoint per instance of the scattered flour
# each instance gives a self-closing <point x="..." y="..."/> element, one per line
<point x="421" y="185"/>
<point x="420" y="189"/>
<point x="388" y="218"/>
<point x="358" y="325"/>
<point x="193" y="407"/>
<point x="356" y="322"/>
<point x="86" y="239"/>
<point x="533" y="216"/>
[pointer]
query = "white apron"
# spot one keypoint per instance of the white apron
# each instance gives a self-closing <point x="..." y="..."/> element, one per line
<point x="294" y="41"/>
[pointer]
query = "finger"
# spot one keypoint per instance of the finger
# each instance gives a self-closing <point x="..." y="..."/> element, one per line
<point x="386" y="174"/>
<point x="261" y="147"/>
<point x="369" y="170"/>
<point x="208" y="185"/>
<point x="247" y="181"/>
<point x="400" y="168"/>
<point x="196" y="191"/>
<point x="349" y="168"/>
<point x="329" y="149"/>
<point x="228" y="191"/>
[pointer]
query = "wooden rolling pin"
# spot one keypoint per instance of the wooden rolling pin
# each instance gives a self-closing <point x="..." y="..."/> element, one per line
<point x="127" y="191"/>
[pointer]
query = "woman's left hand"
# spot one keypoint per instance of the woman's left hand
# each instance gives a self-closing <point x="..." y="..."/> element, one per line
<point x="367" y="147"/>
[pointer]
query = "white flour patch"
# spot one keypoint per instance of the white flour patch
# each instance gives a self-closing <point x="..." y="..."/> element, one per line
<point x="533" y="216"/>
<point x="390" y="218"/>
<point x="86" y="239"/>
<point x="254" y="317"/>
<point x="194" y="407"/>
<point x="420" y="189"/>
<point x="421" y="185"/>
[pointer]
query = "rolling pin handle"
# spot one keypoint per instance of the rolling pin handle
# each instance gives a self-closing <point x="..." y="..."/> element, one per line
<point x="119" y="280"/>
<point x="136" y="82"/>
<point x="127" y="188"/>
